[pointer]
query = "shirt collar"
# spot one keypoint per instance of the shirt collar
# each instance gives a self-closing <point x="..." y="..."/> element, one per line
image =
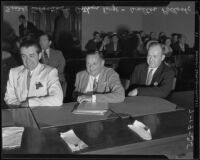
<point x="31" y="72"/>
<point x="97" y="77"/>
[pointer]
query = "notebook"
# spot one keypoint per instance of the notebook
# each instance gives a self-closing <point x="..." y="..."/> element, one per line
<point x="91" y="108"/>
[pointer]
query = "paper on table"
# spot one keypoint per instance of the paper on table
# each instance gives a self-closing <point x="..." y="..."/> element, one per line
<point x="73" y="141"/>
<point x="12" y="136"/>
<point x="140" y="129"/>
<point x="91" y="108"/>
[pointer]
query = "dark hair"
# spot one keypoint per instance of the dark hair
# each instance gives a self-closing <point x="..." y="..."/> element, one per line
<point x="21" y="16"/>
<point x="46" y="34"/>
<point x="30" y="43"/>
<point x="95" y="33"/>
<point x="95" y="52"/>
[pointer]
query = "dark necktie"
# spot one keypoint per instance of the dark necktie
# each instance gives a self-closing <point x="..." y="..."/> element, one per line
<point x="45" y="59"/>
<point x="149" y="77"/>
<point x="28" y="79"/>
<point x="95" y="83"/>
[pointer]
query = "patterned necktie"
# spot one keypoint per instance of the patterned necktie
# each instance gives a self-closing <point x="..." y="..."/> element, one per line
<point x="95" y="83"/>
<point x="149" y="77"/>
<point x="45" y="59"/>
<point x="28" y="79"/>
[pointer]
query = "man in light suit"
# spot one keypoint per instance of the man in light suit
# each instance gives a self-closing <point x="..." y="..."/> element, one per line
<point x="153" y="78"/>
<point x="98" y="83"/>
<point x="33" y="84"/>
<point x="54" y="58"/>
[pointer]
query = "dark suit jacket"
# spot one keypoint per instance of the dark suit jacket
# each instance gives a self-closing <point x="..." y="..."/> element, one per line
<point x="109" y="88"/>
<point x="92" y="46"/>
<point x="57" y="60"/>
<point x="161" y="84"/>
<point x="110" y="49"/>
<point x="177" y="49"/>
<point x="25" y="31"/>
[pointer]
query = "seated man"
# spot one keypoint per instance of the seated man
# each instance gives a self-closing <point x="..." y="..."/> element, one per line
<point x="53" y="58"/>
<point x="154" y="78"/>
<point x="98" y="83"/>
<point x="33" y="83"/>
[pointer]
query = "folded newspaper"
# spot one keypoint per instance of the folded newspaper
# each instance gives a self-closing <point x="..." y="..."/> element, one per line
<point x="12" y="136"/>
<point x="74" y="143"/>
<point x="141" y="129"/>
<point x="91" y="108"/>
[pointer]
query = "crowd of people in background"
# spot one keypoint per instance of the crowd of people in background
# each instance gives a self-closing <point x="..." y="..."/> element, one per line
<point x="135" y="43"/>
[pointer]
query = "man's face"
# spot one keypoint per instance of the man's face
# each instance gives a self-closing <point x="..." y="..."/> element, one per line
<point x="30" y="57"/>
<point x="94" y="64"/>
<point x="155" y="56"/>
<point x="44" y="42"/>
<point x="115" y="39"/>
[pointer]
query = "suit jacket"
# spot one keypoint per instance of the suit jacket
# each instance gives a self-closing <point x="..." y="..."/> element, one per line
<point x="161" y="84"/>
<point x="92" y="46"/>
<point x="110" y="49"/>
<point x="44" y="90"/>
<point x="109" y="87"/>
<point x="25" y="31"/>
<point x="177" y="49"/>
<point x="57" y="60"/>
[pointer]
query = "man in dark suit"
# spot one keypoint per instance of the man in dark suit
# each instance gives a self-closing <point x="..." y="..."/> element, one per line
<point x="98" y="83"/>
<point x="26" y="27"/>
<point x="53" y="58"/>
<point x="153" y="78"/>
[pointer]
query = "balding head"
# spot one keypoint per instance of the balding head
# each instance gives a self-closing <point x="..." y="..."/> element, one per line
<point x="155" y="55"/>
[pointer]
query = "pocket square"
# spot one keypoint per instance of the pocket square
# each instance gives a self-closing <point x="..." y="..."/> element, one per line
<point x="38" y="85"/>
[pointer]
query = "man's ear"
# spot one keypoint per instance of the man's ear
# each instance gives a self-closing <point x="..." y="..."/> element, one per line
<point x="163" y="57"/>
<point x="40" y="55"/>
<point x="50" y="42"/>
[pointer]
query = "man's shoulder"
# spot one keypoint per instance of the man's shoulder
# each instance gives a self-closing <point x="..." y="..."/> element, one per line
<point x="167" y="68"/>
<point x="109" y="71"/>
<point x="17" y="69"/>
<point x="81" y="73"/>
<point x="141" y="65"/>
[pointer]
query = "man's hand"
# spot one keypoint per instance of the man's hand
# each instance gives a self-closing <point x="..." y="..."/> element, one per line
<point x="24" y="103"/>
<point x="133" y="92"/>
<point x="83" y="98"/>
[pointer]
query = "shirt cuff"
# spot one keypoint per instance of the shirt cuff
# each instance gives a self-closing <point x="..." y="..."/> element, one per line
<point x="94" y="98"/>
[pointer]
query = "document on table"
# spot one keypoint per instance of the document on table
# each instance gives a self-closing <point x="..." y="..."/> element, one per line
<point x="141" y="129"/>
<point x="91" y="108"/>
<point x="12" y="136"/>
<point x="74" y="143"/>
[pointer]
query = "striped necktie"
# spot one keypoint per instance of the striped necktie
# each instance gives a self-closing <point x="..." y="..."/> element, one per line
<point x="95" y="83"/>
<point x="149" y="77"/>
<point x="28" y="79"/>
<point x="45" y="59"/>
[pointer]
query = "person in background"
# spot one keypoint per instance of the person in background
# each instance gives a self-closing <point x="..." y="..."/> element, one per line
<point x="94" y="43"/>
<point x="53" y="58"/>
<point x="181" y="47"/>
<point x="153" y="78"/>
<point x="33" y="84"/>
<point x="114" y="48"/>
<point x="105" y="43"/>
<point x="98" y="83"/>
<point x="26" y="27"/>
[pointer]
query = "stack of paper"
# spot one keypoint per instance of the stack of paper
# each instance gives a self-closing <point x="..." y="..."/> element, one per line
<point x="12" y="136"/>
<point x="140" y="129"/>
<point x="91" y="108"/>
<point x="74" y="143"/>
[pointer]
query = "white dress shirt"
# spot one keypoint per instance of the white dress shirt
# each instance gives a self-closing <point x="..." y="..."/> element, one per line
<point x="89" y="87"/>
<point x="154" y="70"/>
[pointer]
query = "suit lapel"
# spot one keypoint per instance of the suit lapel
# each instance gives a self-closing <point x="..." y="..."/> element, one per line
<point x="157" y="73"/>
<point x="22" y="83"/>
<point x="84" y="81"/>
<point x="34" y="79"/>
<point x="144" y="74"/>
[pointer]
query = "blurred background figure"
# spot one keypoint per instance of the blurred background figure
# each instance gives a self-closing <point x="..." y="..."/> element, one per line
<point x="94" y="43"/>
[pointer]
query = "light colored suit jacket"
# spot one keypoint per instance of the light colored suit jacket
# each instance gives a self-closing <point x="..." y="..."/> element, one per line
<point x="109" y="87"/>
<point x="44" y="90"/>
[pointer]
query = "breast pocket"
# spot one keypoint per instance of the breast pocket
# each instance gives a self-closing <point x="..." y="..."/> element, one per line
<point x="41" y="91"/>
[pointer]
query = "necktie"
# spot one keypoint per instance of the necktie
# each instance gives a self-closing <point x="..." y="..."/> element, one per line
<point x="95" y="83"/>
<point x="149" y="77"/>
<point x="28" y="79"/>
<point x="45" y="59"/>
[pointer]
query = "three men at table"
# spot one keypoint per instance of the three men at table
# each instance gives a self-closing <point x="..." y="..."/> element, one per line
<point x="98" y="83"/>
<point x="33" y="83"/>
<point x="153" y="78"/>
